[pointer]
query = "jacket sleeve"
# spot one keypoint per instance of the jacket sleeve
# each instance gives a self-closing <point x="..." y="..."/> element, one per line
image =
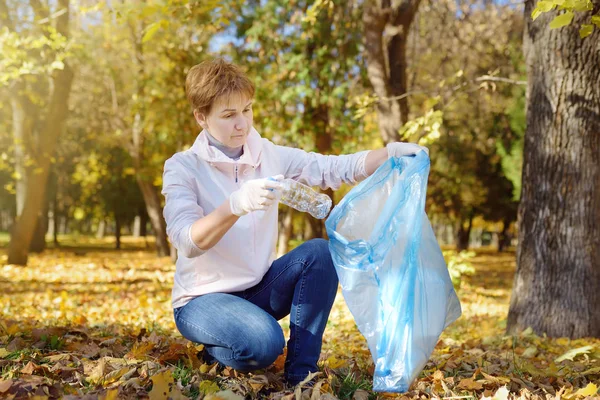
<point x="320" y="170"/>
<point x="181" y="208"/>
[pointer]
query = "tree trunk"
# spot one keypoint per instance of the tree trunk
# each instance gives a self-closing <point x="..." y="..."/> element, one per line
<point x="308" y="228"/>
<point x="463" y="234"/>
<point x="386" y="30"/>
<point x="117" y="232"/>
<point x="37" y="178"/>
<point x="504" y="239"/>
<point x="38" y="241"/>
<point x="557" y="284"/>
<point x="143" y="222"/>
<point x="101" y="229"/>
<point x="22" y="126"/>
<point x="285" y="232"/>
<point x="154" y="210"/>
<point x="136" y="226"/>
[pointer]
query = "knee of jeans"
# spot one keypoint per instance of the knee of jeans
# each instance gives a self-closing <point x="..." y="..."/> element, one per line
<point x="263" y="349"/>
<point x="321" y="257"/>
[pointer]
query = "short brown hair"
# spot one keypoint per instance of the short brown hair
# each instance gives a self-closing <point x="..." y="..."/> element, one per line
<point x="212" y="79"/>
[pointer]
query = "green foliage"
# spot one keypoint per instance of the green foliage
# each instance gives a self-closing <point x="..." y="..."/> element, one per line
<point x="349" y="384"/>
<point x="53" y="342"/>
<point x="30" y="54"/>
<point x="459" y="265"/>
<point x="510" y="148"/>
<point x="570" y="7"/>
<point x="183" y="373"/>
<point x="307" y="67"/>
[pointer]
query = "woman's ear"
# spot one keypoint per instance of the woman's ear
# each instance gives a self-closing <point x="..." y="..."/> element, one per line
<point x="200" y="119"/>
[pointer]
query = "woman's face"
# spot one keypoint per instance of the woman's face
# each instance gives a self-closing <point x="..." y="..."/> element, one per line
<point x="229" y="120"/>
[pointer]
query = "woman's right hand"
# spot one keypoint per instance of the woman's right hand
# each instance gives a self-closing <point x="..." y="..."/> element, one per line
<point x="255" y="194"/>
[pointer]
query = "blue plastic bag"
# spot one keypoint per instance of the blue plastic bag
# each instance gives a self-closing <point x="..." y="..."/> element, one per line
<point x="391" y="269"/>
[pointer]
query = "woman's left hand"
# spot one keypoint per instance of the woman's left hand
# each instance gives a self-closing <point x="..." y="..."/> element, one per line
<point x="400" y="149"/>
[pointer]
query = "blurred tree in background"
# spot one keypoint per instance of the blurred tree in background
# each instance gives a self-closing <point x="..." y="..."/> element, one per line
<point x="332" y="76"/>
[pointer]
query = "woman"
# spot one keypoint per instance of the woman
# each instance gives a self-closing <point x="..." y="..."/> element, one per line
<point x="221" y="213"/>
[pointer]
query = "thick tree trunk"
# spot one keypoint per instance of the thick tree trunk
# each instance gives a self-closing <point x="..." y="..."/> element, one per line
<point x="557" y="285"/>
<point x="386" y="28"/>
<point x="38" y="178"/>
<point x="154" y="210"/>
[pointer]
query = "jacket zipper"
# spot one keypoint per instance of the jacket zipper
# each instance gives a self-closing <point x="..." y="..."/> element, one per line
<point x="236" y="173"/>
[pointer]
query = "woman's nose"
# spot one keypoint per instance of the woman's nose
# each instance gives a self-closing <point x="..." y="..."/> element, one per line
<point x="240" y="124"/>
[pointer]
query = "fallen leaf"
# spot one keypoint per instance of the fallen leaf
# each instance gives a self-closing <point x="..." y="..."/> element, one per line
<point x="495" y="379"/>
<point x="571" y="354"/>
<point x="501" y="394"/>
<point x="5" y="385"/>
<point x="110" y="395"/>
<point x="335" y="363"/>
<point x="163" y="386"/>
<point x="589" y="390"/>
<point x="140" y="350"/>
<point x="360" y="394"/>
<point x="530" y="352"/>
<point x="257" y="382"/>
<point x="469" y="384"/>
<point x="224" y="395"/>
<point x="208" y="387"/>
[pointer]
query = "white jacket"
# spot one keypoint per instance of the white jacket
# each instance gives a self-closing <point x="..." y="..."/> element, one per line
<point x="198" y="180"/>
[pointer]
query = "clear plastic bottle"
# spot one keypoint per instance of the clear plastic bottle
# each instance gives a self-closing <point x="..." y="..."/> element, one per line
<point x="305" y="199"/>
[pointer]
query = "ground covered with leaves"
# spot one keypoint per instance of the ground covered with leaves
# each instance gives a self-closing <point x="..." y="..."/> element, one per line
<point x="88" y="322"/>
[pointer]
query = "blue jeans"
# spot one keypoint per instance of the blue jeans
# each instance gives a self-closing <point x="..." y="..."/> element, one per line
<point x="240" y="329"/>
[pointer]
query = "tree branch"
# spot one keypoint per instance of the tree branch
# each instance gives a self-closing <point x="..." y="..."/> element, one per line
<point x="488" y="78"/>
<point x="484" y="78"/>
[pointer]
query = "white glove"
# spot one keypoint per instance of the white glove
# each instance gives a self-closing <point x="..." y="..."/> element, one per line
<point x="399" y="149"/>
<point x="256" y="194"/>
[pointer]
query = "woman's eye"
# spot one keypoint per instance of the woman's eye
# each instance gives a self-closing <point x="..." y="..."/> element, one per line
<point x="229" y="116"/>
<point x="247" y="110"/>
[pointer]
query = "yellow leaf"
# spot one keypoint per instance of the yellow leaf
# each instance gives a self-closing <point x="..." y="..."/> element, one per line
<point x="530" y="352"/>
<point x="3" y="352"/>
<point x="495" y="379"/>
<point x="571" y="354"/>
<point x="163" y="387"/>
<point x="224" y="395"/>
<point x="335" y="362"/>
<point x="208" y="387"/>
<point x="589" y="390"/>
<point x="110" y="395"/>
<point x="562" y="20"/>
<point x="596" y="20"/>
<point x="586" y="30"/>
<point x="595" y="371"/>
<point x="140" y="350"/>
<point x="545" y="5"/>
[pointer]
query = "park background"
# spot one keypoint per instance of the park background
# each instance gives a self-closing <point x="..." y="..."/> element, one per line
<point x="505" y="94"/>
